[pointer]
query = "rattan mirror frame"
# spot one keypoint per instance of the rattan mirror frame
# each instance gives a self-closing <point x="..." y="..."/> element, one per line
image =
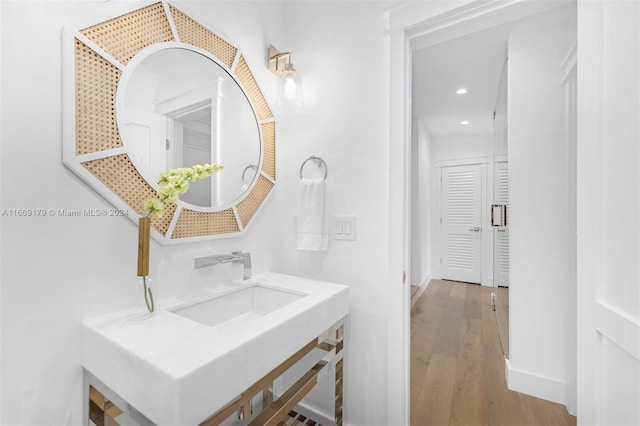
<point x="95" y="57"/>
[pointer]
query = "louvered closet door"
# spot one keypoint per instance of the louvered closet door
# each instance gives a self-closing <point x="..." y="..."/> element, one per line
<point x="501" y="234"/>
<point x="461" y="223"/>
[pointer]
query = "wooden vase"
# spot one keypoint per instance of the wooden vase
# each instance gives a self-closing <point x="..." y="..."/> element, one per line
<point x="144" y="241"/>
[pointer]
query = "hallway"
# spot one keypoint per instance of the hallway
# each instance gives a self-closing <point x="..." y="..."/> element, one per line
<point x="457" y="367"/>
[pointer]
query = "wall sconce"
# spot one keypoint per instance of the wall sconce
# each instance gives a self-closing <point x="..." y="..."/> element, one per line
<point x="290" y="94"/>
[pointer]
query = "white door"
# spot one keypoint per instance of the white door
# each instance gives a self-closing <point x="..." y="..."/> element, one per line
<point x="608" y="213"/>
<point x="501" y="234"/>
<point x="146" y="135"/>
<point x="461" y="223"/>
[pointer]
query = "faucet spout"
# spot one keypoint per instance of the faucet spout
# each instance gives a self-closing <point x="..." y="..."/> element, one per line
<point x="234" y="257"/>
<point x="246" y="262"/>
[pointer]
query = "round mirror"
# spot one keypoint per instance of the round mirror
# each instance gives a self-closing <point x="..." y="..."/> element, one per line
<point x="180" y="109"/>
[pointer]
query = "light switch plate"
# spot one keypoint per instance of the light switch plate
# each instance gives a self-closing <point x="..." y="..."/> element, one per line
<point x="344" y="227"/>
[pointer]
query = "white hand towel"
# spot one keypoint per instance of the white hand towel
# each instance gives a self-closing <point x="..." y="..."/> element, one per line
<point x="311" y="215"/>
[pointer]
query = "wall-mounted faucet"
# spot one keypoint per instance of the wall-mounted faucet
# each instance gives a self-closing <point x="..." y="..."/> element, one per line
<point x="234" y="257"/>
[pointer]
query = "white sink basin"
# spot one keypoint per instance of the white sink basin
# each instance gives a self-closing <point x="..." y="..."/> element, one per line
<point x="189" y="360"/>
<point x="238" y="308"/>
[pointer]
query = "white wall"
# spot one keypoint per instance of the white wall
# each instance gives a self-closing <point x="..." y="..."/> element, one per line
<point x="58" y="270"/>
<point x="421" y="206"/>
<point x="538" y="190"/>
<point x="462" y="147"/>
<point x="342" y="55"/>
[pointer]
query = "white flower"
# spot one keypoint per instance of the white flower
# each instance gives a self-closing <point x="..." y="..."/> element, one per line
<point x="175" y="182"/>
<point x="153" y="206"/>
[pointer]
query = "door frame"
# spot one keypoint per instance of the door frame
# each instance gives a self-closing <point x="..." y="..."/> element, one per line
<point x="413" y="25"/>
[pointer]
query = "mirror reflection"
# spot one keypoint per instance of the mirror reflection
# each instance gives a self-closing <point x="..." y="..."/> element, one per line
<point x="181" y="108"/>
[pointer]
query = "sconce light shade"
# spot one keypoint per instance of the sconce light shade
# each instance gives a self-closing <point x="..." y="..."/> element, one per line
<point x="290" y="94"/>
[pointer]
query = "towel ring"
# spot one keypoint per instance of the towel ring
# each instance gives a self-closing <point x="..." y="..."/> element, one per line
<point x="319" y="162"/>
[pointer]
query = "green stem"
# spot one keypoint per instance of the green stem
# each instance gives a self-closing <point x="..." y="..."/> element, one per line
<point x="148" y="296"/>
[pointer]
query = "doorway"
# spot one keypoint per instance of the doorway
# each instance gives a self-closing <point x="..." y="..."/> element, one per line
<point x="419" y="34"/>
<point x="454" y="102"/>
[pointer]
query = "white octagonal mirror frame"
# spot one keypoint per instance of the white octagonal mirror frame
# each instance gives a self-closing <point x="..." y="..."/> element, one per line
<point x="95" y="56"/>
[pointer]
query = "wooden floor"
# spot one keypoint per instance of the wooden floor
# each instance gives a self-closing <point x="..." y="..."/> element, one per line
<point x="457" y="365"/>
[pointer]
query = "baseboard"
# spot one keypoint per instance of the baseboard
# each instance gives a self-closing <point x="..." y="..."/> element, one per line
<point x="423" y="286"/>
<point x="425" y="282"/>
<point x="535" y="385"/>
<point x="572" y="409"/>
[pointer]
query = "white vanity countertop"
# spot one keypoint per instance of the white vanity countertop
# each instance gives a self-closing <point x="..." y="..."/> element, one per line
<point x="178" y="371"/>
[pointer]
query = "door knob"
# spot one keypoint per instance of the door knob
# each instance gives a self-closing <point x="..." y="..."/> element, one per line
<point x="476" y="229"/>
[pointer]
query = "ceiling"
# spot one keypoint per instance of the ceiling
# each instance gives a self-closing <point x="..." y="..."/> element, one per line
<point x="474" y="62"/>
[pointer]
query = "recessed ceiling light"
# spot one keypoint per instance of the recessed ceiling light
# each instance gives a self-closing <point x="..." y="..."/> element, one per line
<point x="464" y="123"/>
<point x="461" y="91"/>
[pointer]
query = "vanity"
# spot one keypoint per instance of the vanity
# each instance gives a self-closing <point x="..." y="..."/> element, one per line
<point x="213" y="359"/>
